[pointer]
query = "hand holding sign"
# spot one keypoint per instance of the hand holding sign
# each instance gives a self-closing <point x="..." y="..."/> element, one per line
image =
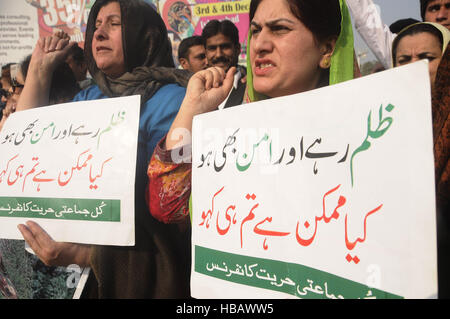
<point x="318" y="194"/>
<point x="53" y="253"/>
<point x="41" y="167"/>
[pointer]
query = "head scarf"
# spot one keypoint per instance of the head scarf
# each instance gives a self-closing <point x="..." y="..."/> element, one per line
<point x="443" y="30"/>
<point x="342" y="60"/>
<point x="147" y="52"/>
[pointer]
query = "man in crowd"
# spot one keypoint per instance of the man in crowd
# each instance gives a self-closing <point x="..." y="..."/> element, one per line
<point x="191" y="54"/>
<point x="436" y="11"/>
<point x="222" y="50"/>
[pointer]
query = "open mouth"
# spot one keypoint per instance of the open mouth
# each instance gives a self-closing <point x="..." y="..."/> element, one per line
<point x="102" y="49"/>
<point x="263" y="66"/>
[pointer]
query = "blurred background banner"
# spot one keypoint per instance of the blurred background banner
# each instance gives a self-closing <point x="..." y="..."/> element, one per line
<point x="185" y="18"/>
<point x="23" y="22"/>
<point x="19" y="30"/>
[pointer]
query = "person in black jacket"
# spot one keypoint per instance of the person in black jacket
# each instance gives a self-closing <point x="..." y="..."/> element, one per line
<point x="222" y="50"/>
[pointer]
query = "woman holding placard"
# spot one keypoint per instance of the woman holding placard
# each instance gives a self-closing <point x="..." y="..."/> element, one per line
<point x="294" y="46"/>
<point x="430" y="41"/>
<point x="128" y="53"/>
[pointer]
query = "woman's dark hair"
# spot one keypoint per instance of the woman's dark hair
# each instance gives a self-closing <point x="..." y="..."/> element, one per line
<point x="77" y="54"/>
<point x="321" y="17"/>
<point x="6" y="73"/>
<point x="64" y="85"/>
<point x="144" y="35"/>
<point x="413" y="30"/>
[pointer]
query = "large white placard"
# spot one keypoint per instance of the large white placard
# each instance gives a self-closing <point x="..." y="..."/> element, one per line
<point x="71" y="168"/>
<point x="324" y="194"/>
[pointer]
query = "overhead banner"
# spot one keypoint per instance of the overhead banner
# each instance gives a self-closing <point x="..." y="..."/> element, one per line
<point x="71" y="173"/>
<point x="22" y="22"/>
<point x="324" y="194"/>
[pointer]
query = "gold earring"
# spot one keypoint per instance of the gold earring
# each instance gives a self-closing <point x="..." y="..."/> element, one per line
<point x="327" y="62"/>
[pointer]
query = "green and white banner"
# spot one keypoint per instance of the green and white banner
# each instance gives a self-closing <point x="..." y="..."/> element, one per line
<point x="323" y="194"/>
<point x="71" y="167"/>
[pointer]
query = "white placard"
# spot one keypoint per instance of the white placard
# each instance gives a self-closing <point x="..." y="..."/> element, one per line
<point x="324" y="194"/>
<point x="71" y="168"/>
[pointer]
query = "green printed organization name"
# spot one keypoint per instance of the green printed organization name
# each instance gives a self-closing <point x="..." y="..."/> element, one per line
<point x="293" y="279"/>
<point x="61" y="208"/>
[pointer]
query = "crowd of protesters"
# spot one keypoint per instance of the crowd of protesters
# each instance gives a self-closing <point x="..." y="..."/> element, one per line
<point x="288" y="52"/>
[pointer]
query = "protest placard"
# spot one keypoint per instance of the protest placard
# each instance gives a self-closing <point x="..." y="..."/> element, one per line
<point x="71" y="168"/>
<point x="323" y="194"/>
